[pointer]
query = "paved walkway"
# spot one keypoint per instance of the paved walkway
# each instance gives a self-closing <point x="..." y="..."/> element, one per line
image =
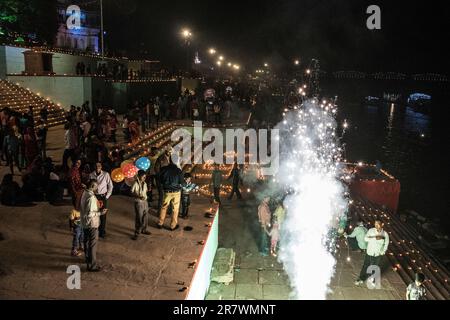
<point x="257" y="277"/>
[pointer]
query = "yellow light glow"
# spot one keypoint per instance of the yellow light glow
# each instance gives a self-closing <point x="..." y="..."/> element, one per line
<point x="186" y="33"/>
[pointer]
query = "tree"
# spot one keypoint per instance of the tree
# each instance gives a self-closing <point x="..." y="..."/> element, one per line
<point x="29" y="18"/>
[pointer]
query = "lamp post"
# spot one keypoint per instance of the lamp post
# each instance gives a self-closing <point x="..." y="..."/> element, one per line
<point x="102" y="29"/>
<point x="187" y="35"/>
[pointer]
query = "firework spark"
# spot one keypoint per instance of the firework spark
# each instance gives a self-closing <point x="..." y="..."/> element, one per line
<point x="310" y="169"/>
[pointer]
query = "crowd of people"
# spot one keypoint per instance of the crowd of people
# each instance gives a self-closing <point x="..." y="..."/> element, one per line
<point x="117" y="71"/>
<point x="89" y="135"/>
<point x="85" y="169"/>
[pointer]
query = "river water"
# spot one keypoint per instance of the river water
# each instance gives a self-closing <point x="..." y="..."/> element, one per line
<point x="411" y="146"/>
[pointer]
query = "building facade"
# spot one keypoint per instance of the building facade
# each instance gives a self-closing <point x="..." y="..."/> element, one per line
<point x="85" y="35"/>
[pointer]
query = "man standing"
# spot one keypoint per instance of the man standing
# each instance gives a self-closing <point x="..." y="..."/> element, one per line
<point x="377" y="243"/>
<point x="172" y="181"/>
<point x="356" y="238"/>
<point x="236" y="176"/>
<point x="139" y="192"/>
<point x="216" y="182"/>
<point x="162" y="161"/>
<point x="90" y="221"/>
<point x="217" y="116"/>
<point x="41" y="134"/>
<point x="70" y="144"/>
<point x="104" y="191"/>
<point x="264" y="217"/>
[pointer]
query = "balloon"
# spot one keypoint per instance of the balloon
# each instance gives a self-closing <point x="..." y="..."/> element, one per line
<point x="123" y="164"/>
<point x="129" y="170"/>
<point x="143" y="163"/>
<point x="117" y="175"/>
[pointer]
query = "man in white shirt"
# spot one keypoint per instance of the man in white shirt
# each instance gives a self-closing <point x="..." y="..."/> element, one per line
<point x="377" y="244"/>
<point x="90" y="220"/>
<point x="104" y="191"/>
<point x="139" y="193"/>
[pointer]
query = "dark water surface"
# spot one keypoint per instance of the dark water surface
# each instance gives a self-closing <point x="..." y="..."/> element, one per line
<point x="411" y="146"/>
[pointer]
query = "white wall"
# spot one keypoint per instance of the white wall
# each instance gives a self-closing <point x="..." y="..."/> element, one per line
<point x="66" y="91"/>
<point x="12" y="60"/>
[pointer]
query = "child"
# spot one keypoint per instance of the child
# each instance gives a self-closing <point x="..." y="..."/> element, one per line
<point x="274" y="234"/>
<point x="77" y="230"/>
<point x="185" y="195"/>
<point x="416" y="290"/>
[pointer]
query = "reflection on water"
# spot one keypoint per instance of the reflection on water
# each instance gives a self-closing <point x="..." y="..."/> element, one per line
<point x="410" y="146"/>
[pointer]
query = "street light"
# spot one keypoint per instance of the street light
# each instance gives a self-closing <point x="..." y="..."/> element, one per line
<point x="212" y="51"/>
<point x="186" y="33"/>
<point x="219" y="63"/>
<point x="266" y="64"/>
<point x="221" y="58"/>
<point x="230" y="64"/>
<point x="297" y="62"/>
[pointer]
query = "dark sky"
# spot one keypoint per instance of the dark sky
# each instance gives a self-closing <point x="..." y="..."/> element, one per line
<point x="412" y="39"/>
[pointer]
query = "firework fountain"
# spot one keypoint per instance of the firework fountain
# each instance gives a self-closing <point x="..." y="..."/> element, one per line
<point x="309" y="172"/>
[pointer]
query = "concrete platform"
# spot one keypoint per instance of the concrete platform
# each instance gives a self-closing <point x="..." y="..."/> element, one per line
<point x="35" y="254"/>
<point x="258" y="277"/>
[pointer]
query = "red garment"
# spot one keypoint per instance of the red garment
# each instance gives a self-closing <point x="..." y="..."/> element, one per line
<point x="31" y="150"/>
<point x="75" y="180"/>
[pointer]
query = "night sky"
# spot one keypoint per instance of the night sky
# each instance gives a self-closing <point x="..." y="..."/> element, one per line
<point x="413" y="37"/>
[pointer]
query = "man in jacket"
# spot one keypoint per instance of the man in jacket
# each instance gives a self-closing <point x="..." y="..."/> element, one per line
<point x="216" y="182"/>
<point x="171" y="178"/>
<point x="162" y="161"/>
<point x="356" y="238"/>
<point x="236" y="178"/>
<point x="104" y="191"/>
<point x="377" y="244"/>
<point x="90" y="221"/>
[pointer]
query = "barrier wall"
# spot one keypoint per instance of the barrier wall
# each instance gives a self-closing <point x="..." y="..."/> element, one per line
<point x="202" y="275"/>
